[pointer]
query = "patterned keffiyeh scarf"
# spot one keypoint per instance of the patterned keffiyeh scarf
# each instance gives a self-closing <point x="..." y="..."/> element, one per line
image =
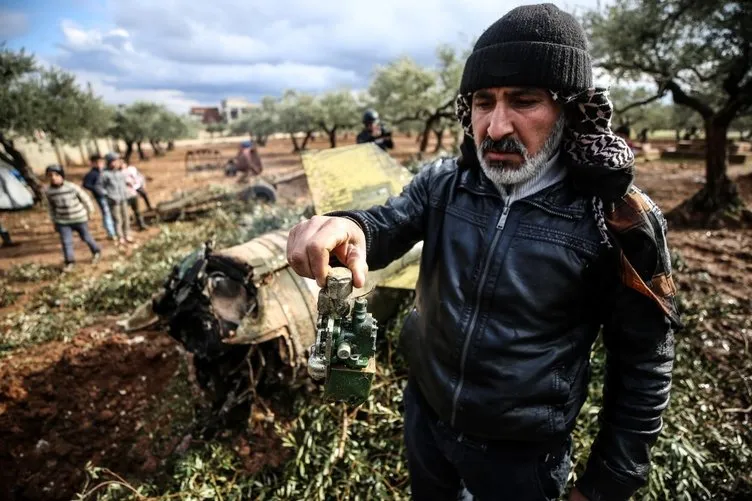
<point x="602" y="166"/>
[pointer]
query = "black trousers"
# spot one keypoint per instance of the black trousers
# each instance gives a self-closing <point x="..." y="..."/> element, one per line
<point x="145" y="196"/>
<point x="133" y="202"/>
<point x="443" y="462"/>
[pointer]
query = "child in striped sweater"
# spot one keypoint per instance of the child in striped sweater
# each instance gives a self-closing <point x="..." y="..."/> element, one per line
<point x="70" y="209"/>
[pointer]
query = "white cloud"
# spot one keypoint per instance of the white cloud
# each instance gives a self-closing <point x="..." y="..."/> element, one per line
<point x="79" y="40"/>
<point x="111" y="92"/>
<point x="12" y="24"/>
<point x="204" y="51"/>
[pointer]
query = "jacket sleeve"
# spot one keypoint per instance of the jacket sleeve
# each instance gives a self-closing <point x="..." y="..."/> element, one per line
<point x="393" y="228"/>
<point x="50" y="207"/>
<point x="90" y="183"/>
<point x="104" y="182"/>
<point x="639" y="343"/>
<point x="84" y="198"/>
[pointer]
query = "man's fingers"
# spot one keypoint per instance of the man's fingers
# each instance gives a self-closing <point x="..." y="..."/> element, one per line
<point x="296" y="253"/>
<point x="356" y="261"/>
<point x="318" y="262"/>
<point x="328" y="238"/>
<point x="310" y="245"/>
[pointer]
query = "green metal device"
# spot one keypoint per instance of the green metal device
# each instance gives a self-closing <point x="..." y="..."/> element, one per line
<point x="344" y="352"/>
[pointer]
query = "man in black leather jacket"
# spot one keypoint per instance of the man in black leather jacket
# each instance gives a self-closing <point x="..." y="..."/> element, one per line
<point x="521" y="268"/>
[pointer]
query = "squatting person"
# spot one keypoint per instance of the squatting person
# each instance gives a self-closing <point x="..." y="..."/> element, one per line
<point x="534" y="240"/>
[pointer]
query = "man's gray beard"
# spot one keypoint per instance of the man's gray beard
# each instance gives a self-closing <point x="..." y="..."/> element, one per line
<point x="502" y="176"/>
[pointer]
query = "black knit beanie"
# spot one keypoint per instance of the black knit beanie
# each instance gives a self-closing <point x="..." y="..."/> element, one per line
<point x="531" y="46"/>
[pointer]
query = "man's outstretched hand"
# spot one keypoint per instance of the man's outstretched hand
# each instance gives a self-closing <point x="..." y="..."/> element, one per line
<point x="311" y="243"/>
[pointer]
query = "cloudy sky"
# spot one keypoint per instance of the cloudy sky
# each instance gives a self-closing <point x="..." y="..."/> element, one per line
<point x="190" y="52"/>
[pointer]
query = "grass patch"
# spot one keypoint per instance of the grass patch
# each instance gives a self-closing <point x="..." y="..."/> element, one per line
<point x="8" y="296"/>
<point x="31" y="272"/>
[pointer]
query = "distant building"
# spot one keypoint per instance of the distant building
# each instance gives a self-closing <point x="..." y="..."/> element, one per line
<point x="235" y="107"/>
<point x="206" y="114"/>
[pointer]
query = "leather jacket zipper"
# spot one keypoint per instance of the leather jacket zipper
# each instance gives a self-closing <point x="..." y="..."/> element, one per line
<point x="474" y="318"/>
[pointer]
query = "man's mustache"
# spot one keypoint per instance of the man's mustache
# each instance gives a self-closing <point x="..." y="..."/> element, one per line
<point x="506" y="144"/>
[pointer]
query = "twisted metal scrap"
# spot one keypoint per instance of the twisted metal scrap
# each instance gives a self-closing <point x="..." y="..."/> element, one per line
<point x="333" y="297"/>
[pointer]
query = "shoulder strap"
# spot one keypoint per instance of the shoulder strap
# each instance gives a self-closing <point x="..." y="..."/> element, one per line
<point x="637" y="231"/>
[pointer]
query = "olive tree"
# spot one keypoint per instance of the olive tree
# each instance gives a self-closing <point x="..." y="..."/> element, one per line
<point x="698" y="51"/>
<point x="407" y="93"/>
<point x="37" y="103"/>
<point x="298" y="114"/>
<point x="259" y="122"/>
<point x="336" y="111"/>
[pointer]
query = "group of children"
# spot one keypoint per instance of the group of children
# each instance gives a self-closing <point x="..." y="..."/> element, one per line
<point x="114" y="186"/>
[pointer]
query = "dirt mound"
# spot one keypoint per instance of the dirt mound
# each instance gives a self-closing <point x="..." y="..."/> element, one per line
<point x="62" y="405"/>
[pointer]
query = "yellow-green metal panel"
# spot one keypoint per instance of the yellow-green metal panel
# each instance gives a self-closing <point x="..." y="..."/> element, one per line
<point x="352" y="177"/>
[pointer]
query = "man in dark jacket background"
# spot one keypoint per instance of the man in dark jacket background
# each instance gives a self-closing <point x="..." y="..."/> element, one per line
<point x="374" y="131"/>
<point x="93" y="183"/>
<point x="534" y="240"/>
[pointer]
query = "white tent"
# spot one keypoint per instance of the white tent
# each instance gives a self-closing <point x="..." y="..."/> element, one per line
<point x="14" y="195"/>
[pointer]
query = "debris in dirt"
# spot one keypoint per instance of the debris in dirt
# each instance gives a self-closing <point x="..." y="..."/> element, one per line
<point x="183" y="445"/>
<point x="200" y="201"/>
<point x="42" y="446"/>
<point x="48" y="435"/>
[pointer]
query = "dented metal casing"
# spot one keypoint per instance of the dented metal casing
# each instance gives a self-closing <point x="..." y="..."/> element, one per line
<point x="285" y="303"/>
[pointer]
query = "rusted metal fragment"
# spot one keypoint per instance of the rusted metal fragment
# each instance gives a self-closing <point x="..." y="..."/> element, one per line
<point x="142" y="318"/>
<point x="333" y="298"/>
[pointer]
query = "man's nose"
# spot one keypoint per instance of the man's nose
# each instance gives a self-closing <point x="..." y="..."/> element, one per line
<point x="501" y="125"/>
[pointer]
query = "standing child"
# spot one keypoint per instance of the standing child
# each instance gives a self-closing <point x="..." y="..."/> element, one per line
<point x="139" y="184"/>
<point x="135" y="182"/>
<point x="93" y="183"/>
<point x="70" y="209"/>
<point x="116" y="189"/>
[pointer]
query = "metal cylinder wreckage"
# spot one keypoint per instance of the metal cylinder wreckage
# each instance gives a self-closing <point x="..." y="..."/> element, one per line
<point x="249" y="319"/>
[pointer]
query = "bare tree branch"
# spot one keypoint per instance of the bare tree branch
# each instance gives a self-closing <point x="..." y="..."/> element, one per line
<point x="703" y="78"/>
<point x="640" y="103"/>
<point x="681" y="97"/>
<point x="738" y="71"/>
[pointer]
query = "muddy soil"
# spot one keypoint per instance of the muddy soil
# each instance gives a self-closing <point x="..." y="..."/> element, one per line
<point x="65" y="404"/>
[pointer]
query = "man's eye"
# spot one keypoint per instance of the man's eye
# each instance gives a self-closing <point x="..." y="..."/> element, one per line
<point x="483" y="104"/>
<point x="525" y="103"/>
